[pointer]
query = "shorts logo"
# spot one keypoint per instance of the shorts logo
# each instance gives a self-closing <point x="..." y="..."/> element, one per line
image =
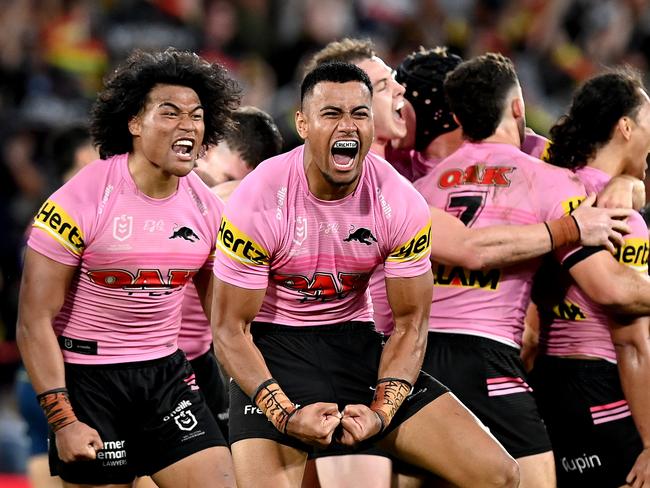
<point x="364" y="236"/>
<point x="185" y="420"/>
<point x="415" y="249"/>
<point x="113" y="453"/>
<point x="238" y="246"/>
<point x="300" y="232"/>
<point x="581" y="463"/>
<point x="57" y="223"/>
<point x="184" y="233"/>
<point x="67" y="343"/>
<point x="122" y="227"/>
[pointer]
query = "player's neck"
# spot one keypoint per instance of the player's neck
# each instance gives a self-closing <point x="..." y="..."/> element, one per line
<point x="609" y="160"/>
<point x="443" y="145"/>
<point x="506" y="133"/>
<point x="151" y="179"/>
<point x="378" y="147"/>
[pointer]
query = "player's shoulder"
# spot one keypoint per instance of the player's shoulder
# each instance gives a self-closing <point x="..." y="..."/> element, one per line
<point x="201" y="194"/>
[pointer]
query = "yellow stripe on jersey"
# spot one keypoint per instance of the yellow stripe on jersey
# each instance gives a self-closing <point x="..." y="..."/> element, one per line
<point x="238" y="246"/>
<point x="570" y="204"/>
<point x="634" y="253"/>
<point x="544" y="155"/>
<point x="413" y="249"/>
<point x="57" y="223"/>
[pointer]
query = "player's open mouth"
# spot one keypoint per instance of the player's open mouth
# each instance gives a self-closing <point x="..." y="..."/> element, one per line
<point x="343" y="154"/>
<point x="398" y="111"/>
<point x="183" y="148"/>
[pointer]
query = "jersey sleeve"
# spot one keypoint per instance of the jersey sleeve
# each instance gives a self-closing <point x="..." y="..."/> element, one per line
<point x="61" y="225"/>
<point x="246" y="238"/>
<point x="409" y="238"/>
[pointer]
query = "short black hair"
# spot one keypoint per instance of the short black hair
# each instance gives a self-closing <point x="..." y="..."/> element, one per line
<point x="595" y="110"/>
<point x="127" y="88"/>
<point x="335" y="72"/>
<point x="422" y="74"/>
<point x="476" y="91"/>
<point x="255" y="136"/>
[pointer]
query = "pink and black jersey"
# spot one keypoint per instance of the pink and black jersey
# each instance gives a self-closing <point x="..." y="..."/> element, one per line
<point x="134" y="253"/>
<point x="580" y="326"/>
<point x="315" y="257"/>
<point x="487" y="184"/>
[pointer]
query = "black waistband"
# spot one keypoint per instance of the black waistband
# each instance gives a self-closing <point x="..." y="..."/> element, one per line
<point x="259" y="328"/>
<point x="131" y="365"/>
<point x="561" y="364"/>
<point x="469" y="340"/>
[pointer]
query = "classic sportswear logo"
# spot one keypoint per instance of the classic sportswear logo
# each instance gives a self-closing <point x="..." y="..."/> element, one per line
<point x="413" y="249"/>
<point x="238" y="246"/>
<point x="57" y="223"/>
<point x="185" y="233"/>
<point x="364" y="236"/>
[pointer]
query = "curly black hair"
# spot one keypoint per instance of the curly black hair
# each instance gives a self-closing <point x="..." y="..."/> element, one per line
<point x="476" y="91"/>
<point x="422" y="73"/>
<point x="127" y="88"/>
<point x="596" y="108"/>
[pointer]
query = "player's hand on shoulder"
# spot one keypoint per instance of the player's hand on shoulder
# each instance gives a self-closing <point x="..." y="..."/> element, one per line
<point x="601" y="226"/>
<point x="78" y="442"/>
<point x="315" y="423"/>
<point x="640" y="473"/>
<point x="623" y="191"/>
<point x="359" y="423"/>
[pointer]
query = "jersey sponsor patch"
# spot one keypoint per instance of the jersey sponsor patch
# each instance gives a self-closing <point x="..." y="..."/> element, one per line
<point x="570" y="204"/>
<point x="413" y="249"/>
<point x="568" y="310"/>
<point x="459" y="276"/>
<point x="634" y="253"/>
<point x="57" y="223"/>
<point x="238" y="246"/>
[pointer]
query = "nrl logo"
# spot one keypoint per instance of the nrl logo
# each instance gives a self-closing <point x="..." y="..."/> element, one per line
<point x="185" y="420"/>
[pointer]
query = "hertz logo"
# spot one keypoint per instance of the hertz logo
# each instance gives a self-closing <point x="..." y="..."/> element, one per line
<point x="568" y="311"/>
<point x="459" y="276"/>
<point x="634" y="253"/>
<point x="56" y="222"/>
<point x="237" y="245"/>
<point x="571" y="204"/>
<point x="413" y="249"/>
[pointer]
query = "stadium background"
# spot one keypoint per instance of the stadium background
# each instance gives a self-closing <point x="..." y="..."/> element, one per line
<point x="54" y="53"/>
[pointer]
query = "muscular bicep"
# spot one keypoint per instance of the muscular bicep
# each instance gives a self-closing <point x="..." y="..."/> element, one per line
<point x="410" y="299"/>
<point x="45" y="284"/>
<point x="233" y="306"/>
<point x="451" y="235"/>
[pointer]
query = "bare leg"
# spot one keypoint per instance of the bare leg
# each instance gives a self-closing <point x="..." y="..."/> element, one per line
<point x="537" y="471"/>
<point x="356" y="470"/>
<point x="38" y="472"/>
<point x="210" y="468"/>
<point x="446" y="439"/>
<point x="263" y="463"/>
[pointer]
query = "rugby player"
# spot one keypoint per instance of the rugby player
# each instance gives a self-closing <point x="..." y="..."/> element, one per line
<point x="599" y="425"/>
<point x="100" y="301"/>
<point x="292" y="321"/>
<point x="477" y="316"/>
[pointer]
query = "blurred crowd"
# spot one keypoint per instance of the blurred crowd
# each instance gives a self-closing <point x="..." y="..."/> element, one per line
<point x="54" y="54"/>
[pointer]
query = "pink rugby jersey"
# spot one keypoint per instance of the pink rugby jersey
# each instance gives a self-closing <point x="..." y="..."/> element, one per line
<point x="315" y="257"/>
<point x="134" y="253"/>
<point x="195" y="337"/>
<point x="489" y="184"/>
<point x="579" y="325"/>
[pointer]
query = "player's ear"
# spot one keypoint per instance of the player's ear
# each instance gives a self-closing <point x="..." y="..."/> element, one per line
<point x="624" y="126"/>
<point x="135" y="125"/>
<point x="517" y="107"/>
<point x="301" y="124"/>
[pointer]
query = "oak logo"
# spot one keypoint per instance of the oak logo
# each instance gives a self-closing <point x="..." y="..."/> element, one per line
<point x="237" y="245"/>
<point x="459" y="276"/>
<point x="413" y="249"/>
<point x="323" y="286"/>
<point x="144" y="279"/>
<point x="477" y="174"/>
<point x="55" y="221"/>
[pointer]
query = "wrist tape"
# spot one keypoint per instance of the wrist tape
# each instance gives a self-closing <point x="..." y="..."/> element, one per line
<point x="563" y="231"/>
<point x="275" y="404"/>
<point x="390" y="393"/>
<point x="56" y="406"/>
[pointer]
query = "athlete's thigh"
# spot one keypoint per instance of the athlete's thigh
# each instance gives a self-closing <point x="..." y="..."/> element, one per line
<point x="263" y="462"/>
<point x="354" y="471"/>
<point x="209" y="468"/>
<point x="445" y="438"/>
<point x="537" y="471"/>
